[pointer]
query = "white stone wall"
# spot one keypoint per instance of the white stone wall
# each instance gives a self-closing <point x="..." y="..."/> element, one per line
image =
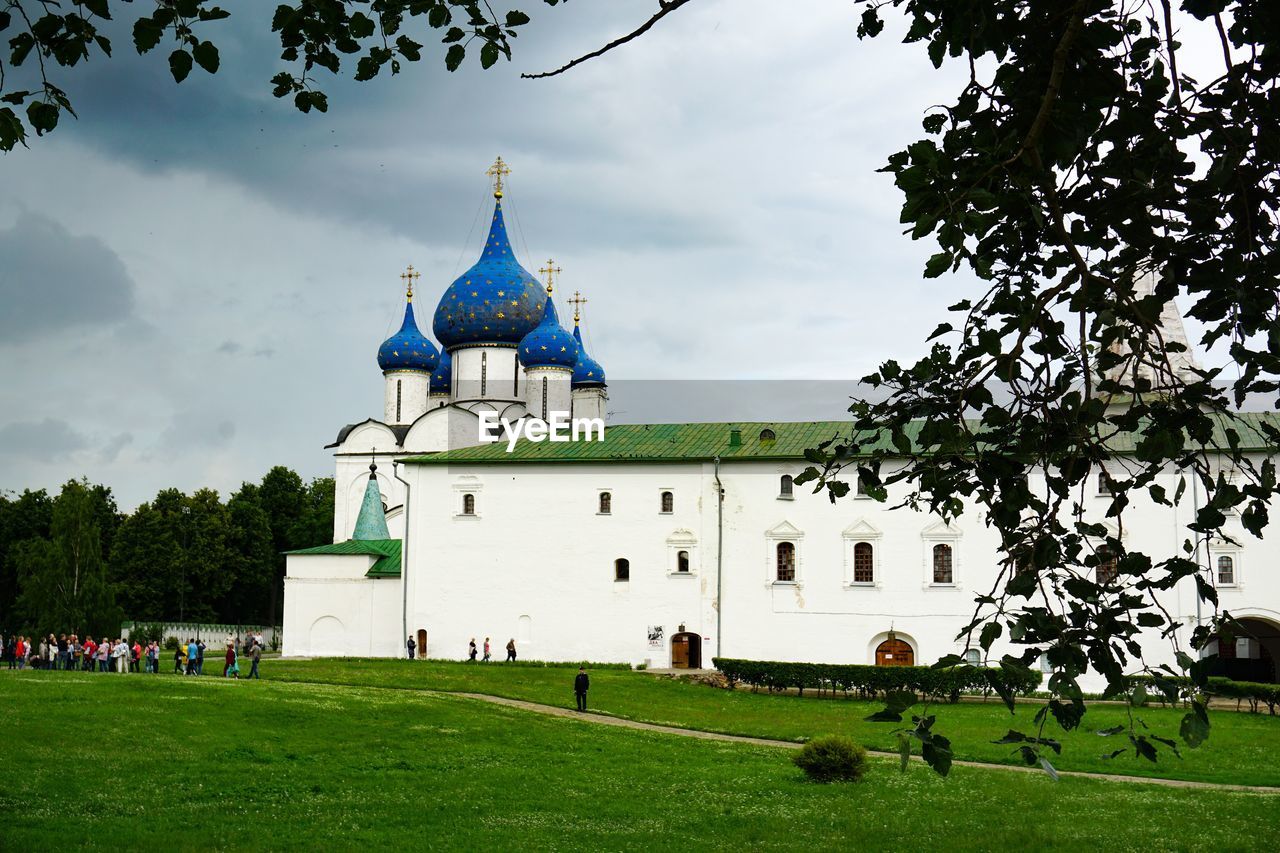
<point x="589" y="402"/>
<point x="405" y="398"/>
<point x="556" y="382"/>
<point x="333" y="610"/>
<point x="486" y="373"/>
<point x="538" y="553"/>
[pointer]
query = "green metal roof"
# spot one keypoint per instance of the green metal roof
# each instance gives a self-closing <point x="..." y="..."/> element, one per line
<point x="703" y="442"/>
<point x="386" y="550"/>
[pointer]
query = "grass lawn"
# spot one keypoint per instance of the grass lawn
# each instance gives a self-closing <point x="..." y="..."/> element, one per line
<point x="1241" y="749"/>
<point x="171" y="763"/>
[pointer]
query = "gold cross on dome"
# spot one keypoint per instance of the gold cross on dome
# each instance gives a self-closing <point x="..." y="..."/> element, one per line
<point x="577" y="302"/>
<point x="550" y="271"/>
<point x="409" y="277"/>
<point x="498" y="171"/>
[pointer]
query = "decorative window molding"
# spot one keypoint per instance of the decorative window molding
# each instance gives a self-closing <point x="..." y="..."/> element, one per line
<point x="1225" y="565"/>
<point x="466" y="499"/>
<point x="786" y="488"/>
<point x="791" y="570"/>
<point x="862" y="555"/>
<point x="682" y="552"/>
<point x="942" y="567"/>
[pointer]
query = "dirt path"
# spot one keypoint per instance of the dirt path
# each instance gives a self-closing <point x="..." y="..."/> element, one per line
<point x="604" y="720"/>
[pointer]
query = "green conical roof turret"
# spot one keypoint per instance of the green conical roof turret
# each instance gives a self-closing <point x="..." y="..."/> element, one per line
<point x="372" y="521"/>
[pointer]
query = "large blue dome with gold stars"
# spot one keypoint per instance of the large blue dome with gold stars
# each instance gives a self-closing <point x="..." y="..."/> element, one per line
<point x="442" y="379"/>
<point x="497" y="301"/>
<point x="549" y="345"/>
<point x="408" y="349"/>
<point x="587" y="372"/>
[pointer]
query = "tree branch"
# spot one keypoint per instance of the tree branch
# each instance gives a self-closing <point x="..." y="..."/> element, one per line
<point x="667" y="7"/>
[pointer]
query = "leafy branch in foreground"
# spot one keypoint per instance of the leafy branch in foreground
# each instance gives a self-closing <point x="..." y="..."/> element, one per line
<point x="45" y="36"/>
<point x="1087" y="181"/>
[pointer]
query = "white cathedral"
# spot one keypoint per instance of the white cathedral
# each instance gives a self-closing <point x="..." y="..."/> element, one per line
<point x="663" y="544"/>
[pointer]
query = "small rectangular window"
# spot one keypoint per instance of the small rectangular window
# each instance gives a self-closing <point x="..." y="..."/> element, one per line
<point x="942" y="565"/>
<point x="606" y="503"/>
<point x="863" y="563"/>
<point x="668" y="503"/>
<point x="786" y="562"/>
<point x="468" y="504"/>
<point x="1226" y="570"/>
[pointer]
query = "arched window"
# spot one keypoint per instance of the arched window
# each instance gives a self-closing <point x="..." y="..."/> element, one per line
<point x="1108" y="566"/>
<point x="973" y="657"/>
<point x="515" y="377"/>
<point x="767" y="436"/>
<point x="942" y="565"/>
<point x="785" y="486"/>
<point x="622" y="569"/>
<point x="544" y="398"/>
<point x="606" y="503"/>
<point x="484" y="373"/>
<point x="864" y="563"/>
<point x="1104" y="484"/>
<point x="682" y="562"/>
<point x="786" y="562"/>
<point x="1226" y="570"/>
<point x="398" y="382"/>
<point x="668" y="502"/>
<point x="468" y="504"/>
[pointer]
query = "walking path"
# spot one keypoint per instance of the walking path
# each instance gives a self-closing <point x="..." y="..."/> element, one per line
<point x="603" y="720"/>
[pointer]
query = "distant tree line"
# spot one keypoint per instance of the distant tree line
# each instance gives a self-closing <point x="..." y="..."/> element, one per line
<point x="74" y="562"/>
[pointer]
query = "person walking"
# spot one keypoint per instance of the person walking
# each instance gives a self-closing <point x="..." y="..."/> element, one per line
<point x="471" y="651"/>
<point x="511" y="649"/>
<point x="20" y="650"/>
<point x="410" y="645"/>
<point x="200" y="647"/>
<point x="255" y="655"/>
<point x="580" y="686"/>
<point x="90" y="649"/>
<point x="104" y="650"/>
<point x="192" y="654"/>
<point x="231" y="668"/>
<point x="11" y="652"/>
<point x="486" y="649"/>
<point x="135" y="659"/>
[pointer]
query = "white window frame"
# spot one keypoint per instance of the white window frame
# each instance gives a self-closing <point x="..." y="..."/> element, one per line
<point x="941" y="533"/>
<point x="783" y="532"/>
<point x="1214" y="554"/>
<point x="861" y="531"/>
<point x="460" y="490"/>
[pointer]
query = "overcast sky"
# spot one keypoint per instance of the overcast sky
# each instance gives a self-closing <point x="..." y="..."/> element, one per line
<point x="194" y="279"/>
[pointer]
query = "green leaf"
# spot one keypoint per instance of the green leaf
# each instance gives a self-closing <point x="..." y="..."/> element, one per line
<point x="206" y="56"/>
<point x="904" y="751"/>
<point x="179" y="65"/>
<point x="43" y="117"/>
<point x="438" y="16"/>
<point x="937" y="265"/>
<point x="937" y="754"/>
<point x="454" y="57"/>
<point x="516" y="19"/>
<point x="361" y="25"/>
<point x="1195" y="726"/>
<point x="1048" y="768"/>
<point x="488" y="54"/>
<point x="146" y="34"/>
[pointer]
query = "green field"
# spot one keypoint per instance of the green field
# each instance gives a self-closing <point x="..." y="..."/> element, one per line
<point x="1241" y="749"/>
<point x="167" y="763"/>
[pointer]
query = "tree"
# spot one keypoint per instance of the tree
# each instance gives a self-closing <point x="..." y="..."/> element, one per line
<point x="63" y="580"/>
<point x="145" y="566"/>
<point x="252" y="553"/>
<point x="26" y="516"/>
<point x="48" y="40"/>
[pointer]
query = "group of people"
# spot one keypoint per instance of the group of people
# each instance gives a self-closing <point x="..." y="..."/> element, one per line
<point x="68" y="652"/>
<point x="473" y="651"/>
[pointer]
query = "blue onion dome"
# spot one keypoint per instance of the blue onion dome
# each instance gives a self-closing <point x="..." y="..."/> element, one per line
<point x="549" y="345"/>
<point x="497" y="301"/>
<point x="587" y="373"/>
<point x="442" y="379"/>
<point x="408" y="349"/>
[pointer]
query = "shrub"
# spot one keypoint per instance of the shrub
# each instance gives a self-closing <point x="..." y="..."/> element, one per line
<point x="171" y="643"/>
<point x="832" y="758"/>
<point x="870" y="681"/>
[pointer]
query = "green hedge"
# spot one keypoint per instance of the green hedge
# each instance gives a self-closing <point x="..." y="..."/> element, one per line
<point x="870" y="681"/>
<point x="1255" y="693"/>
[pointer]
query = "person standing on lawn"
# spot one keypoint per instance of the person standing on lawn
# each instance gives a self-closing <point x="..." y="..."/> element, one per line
<point x="580" y="686"/>
<point x="410" y="645"/>
<point x="471" y="651"/>
<point x="192" y="653"/>
<point x="486" y="649"/>
<point x="200" y="647"/>
<point x="511" y="649"/>
<point x="255" y="655"/>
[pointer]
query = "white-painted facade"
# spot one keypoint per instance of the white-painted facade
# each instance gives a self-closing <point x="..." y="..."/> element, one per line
<point x="530" y="550"/>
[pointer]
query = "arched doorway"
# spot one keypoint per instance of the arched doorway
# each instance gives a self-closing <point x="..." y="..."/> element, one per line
<point x="1251" y="654"/>
<point x="895" y="652"/>
<point x="328" y="637"/>
<point x="422" y="643"/>
<point x="686" y="650"/>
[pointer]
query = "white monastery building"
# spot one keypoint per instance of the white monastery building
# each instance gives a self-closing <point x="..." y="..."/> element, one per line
<point x="662" y="544"/>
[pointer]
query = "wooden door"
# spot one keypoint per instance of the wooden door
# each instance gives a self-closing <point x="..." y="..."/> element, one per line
<point x="422" y="643"/>
<point x="894" y="653"/>
<point x="680" y="651"/>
